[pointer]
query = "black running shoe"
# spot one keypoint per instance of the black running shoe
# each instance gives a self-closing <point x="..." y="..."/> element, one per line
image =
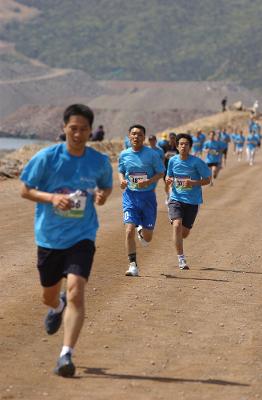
<point x="65" y="367"/>
<point x="53" y="320"/>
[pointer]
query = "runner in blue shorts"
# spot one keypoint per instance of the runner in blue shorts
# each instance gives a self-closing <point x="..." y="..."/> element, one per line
<point x="186" y="174"/>
<point x="139" y="168"/>
<point x="66" y="180"/>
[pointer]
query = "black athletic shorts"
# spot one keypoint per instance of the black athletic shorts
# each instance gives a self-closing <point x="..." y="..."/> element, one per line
<point x="184" y="211"/>
<point x="55" y="264"/>
<point x="213" y="164"/>
<point x="225" y="151"/>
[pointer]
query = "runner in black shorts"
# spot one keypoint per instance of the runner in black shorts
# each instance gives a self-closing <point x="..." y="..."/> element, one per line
<point x="66" y="181"/>
<point x="186" y="174"/>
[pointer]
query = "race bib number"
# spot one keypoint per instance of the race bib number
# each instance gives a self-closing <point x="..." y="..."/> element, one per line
<point x="135" y="178"/>
<point x="78" y="205"/>
<point x="179" y="182"/>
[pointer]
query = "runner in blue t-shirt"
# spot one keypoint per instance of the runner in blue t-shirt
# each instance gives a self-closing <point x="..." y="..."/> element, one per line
<point x="186" y="174"/>
<point x="213" y="150"/>
<point x="224" y="137"/>
<point x="197" y="146"/>
<point x="127" y="142"/>
<point x="139" y="168"/>
<point x="251" y="146"/>
<point x="239" y="139"/>
<point x="152" y="140"/>
<point x="66" y="180"/>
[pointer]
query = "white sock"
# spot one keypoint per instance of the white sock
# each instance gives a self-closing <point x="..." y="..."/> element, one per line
<point x="60" y="307"/>
<point x="66" y="350"/>
<point x="181" y="256"/>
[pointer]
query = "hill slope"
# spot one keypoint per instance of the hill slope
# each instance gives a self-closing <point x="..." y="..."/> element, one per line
<point x="149" y="40"/>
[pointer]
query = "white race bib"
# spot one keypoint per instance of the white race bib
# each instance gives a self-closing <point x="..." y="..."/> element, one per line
<point x="135" y="178"/>
<point x="78" y="205"/>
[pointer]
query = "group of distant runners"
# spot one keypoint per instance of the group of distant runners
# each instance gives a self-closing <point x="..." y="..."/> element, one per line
<point x="68" y="179"/>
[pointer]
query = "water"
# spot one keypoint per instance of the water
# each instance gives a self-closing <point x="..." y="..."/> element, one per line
<point x="16" y="143"/>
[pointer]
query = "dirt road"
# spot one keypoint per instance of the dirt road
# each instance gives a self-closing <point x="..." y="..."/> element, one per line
<point x="169" y="334"/>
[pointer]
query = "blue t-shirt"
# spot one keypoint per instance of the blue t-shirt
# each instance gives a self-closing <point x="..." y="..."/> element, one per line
<point x="159" y="151"/>
<point x="55" y="170"/>
<point x="127" y="142"/>
<point x="197" y="144"/>
<point x="191" y="168"/>
<point x="252" y="142"/>
<point x="254" y="127"/>
<point x="202" y="137"/>
<point x="224" y="137"/>
<point x="162" y="142"/>
<point x="140" y="165"/>
<point x="239" y="140"/>
<point x="215" y="148"/>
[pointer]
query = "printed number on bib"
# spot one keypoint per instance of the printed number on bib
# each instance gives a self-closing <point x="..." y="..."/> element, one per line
<point x="78" y="205"/>
<point x="135" y="178"/>
<point x="179" y="182"/>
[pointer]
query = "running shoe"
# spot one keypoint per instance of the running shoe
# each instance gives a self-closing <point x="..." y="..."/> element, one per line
<point x="65" y="366"/>
<point x="132" y="270"/>
<point x="182" y="264"/>
<point x="143" y="242"/>
<point x="53" y="320"/>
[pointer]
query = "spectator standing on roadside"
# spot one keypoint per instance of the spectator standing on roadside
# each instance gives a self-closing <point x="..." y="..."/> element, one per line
<point x="66" y="180"/>
<point x="99" y="134"/>
<point x="224" y="104"/>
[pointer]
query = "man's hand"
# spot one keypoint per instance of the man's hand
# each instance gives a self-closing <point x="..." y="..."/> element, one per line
<point x="123" y="183"/>
<point x="188" y="183"/>
<point x="169" y="180"/>
<point x="61" y="201"/>
<point x="101" y="195"/>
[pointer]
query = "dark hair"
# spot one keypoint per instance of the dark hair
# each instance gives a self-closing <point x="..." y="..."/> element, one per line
<point x="172" y="134"/>
<point x="141" y="127"/>
<point x="152" y="137"/>
<point x="79" y="109"/>
<point x="184" y="136"/>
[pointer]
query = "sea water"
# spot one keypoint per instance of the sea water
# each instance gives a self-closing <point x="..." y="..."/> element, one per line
<point x="16" y="143"/>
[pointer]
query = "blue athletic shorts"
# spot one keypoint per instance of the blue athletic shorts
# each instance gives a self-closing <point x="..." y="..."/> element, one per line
<point x="140" y="208"/>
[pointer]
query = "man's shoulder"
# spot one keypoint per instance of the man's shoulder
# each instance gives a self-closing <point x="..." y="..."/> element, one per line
<point x="91" y="152"/>
<point x="49" y="151"/>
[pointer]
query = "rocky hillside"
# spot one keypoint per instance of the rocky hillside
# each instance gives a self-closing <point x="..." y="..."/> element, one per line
<point x="12" y="164"/>
<point x="144" y="40"/>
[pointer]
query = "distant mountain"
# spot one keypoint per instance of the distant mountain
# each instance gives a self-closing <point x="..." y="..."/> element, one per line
<point x="157" y="40"/>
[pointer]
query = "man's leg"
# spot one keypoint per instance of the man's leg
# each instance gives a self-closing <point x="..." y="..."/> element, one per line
<point x="50" y="296"/>
<point x="178" y="236"/>
<point x="130" y="245"/>
<point x="180" y="233"/>
<point x="75" y="310"/>
<point x="147" y="234"/>
<point x="130" y="242"/>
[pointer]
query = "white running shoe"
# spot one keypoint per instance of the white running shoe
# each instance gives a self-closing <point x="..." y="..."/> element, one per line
<point x="132" y="270"/>
<point x="182" y="264"/>
<point x="143" y="242"/>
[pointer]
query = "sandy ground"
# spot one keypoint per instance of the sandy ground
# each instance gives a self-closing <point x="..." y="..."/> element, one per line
<point x="168" y="334"/>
